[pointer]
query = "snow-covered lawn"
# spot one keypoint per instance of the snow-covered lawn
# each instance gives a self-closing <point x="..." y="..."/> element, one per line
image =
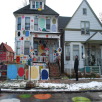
<point x="94" y="85"/>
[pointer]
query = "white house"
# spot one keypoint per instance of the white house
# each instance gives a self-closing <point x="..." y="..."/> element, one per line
<point x="83" y="37"/>
<point x="36" y="35"/>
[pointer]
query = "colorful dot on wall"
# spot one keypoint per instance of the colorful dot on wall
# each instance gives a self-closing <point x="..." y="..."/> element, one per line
<point x="22" y="38"/>
<point x="47" y="36"/>
<point x="22" y="17"/>
<point x="22" y="28"/>
<point x="32" y="20"/>
<point x="27" y="33"/>
<point x="21" y="71"/>
<point x="25" y="96"/>
<point x="54" y="21"/>
<point x="19" y="33"/>
<point x="18" y="59"/>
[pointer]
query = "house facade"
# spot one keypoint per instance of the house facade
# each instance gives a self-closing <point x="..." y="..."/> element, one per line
<point x="6" y="53"/>
<point x="37" y="37"/>
<point x="83" y="37"/>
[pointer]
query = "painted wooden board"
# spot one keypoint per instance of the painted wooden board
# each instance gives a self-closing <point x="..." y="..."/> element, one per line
<point x="12" y="72"/>
<point x="35" y="73"/>
<point x="44" y="74"/>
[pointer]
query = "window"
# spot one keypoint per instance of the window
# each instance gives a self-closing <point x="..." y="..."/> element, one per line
<point x="19" y="23"/>
<point x="26" y="47"/>
<point x="18" y="47"/>
<point x="75" y="51"/>
<point x="85" y="26"/>
<point x="27" y="23"/>
<point x="36" y="24"/>
<point x="47" y="24"/>
<point x="84" y="11"/>
<point x="67" y="52"/>
<point x="36" y="4"/>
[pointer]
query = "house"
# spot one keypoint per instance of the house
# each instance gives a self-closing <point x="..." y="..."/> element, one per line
<point x="83" y="37"/>
<point x="6" y="53"/>
<point x="36" y="36"/>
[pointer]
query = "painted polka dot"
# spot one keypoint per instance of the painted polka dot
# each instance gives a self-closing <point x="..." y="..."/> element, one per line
<point x="80" y="99"/>
<point x="10" y="100"/>
<point x="43" y="96"/>
<point x="21" y="71"/>
<point x="25" y="96"/>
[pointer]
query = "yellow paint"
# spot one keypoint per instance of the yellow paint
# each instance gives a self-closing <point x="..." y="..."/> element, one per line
<point x="39" y="9"/>
<point x="21" y="55"/>
<point x="40" y="67"/>
<point x="34" y="72"/>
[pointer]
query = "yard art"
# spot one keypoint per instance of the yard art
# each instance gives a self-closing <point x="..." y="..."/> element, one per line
<point x="18" y="59"/>
<point x="12" y="72"/>
<point x="54" y="21"/>
<point x="35" y="73"/>
<point x="44" y="74"/>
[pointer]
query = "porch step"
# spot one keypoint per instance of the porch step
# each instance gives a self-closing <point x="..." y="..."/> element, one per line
<point x="54" y="70"/>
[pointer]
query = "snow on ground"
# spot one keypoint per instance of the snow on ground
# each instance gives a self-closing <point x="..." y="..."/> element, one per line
<point x="94" y="85"/>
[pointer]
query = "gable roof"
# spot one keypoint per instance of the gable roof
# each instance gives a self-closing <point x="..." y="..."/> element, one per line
<point x="26" y="10"/>
<point x="90" y="9"/>
<point x="62" y="22"/>
<point x="8" y="48"/>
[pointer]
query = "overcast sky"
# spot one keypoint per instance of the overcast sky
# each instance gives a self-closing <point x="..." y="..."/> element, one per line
<point x="63" y="7"/>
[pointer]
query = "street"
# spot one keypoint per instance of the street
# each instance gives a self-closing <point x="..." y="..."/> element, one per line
<point x="51" y="97"/>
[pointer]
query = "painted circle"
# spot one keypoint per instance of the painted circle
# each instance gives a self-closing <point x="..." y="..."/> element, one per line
<point x="25" y="96"/>
<point x="17" y="58"/>
<point x="43" y="96"/>
<point x="44" y="74"/>
<point x="80" y="99"/>
<point x="10" y="100"/>
<point x="21" y="71"/>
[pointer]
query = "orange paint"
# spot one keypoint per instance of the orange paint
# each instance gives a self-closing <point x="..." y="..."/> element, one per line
<point x="43" y="96"/>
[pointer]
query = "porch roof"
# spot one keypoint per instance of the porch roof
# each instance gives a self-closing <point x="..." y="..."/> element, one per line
<point x="95" y="38"/>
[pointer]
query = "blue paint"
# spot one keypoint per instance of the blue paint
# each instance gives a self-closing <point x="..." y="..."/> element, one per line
<point x="44" y="74"/>
<point x="12" y="72"/>
<point x="27" y="33"/>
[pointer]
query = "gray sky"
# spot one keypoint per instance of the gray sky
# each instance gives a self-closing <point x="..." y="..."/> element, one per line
<point x="63" y="7"/>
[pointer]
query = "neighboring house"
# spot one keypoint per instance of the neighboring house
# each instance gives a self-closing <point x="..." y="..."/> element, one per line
<point x="37" y="36"/>
<point x="83" y="37"/>
<point x="6" y="53"/>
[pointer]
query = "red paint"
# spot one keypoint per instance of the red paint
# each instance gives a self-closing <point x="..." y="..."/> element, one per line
<point x="21" y="71"/>
<point x="18" y="59"/>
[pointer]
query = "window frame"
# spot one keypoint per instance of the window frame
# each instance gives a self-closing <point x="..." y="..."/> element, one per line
<point x="67" y="52"/>
<point x="18" y="48"/>
<point x="18" y="23"/>
<point x="48" y="25"/>
<point x="85" y="29"/>
<point x="27" y="24"/>
<point x="76" y="49"/>
<point x="35" y="24"/>
<point x="37" y="4"/>
<point x="26" y="47"/>
<point x="84" y="11"/>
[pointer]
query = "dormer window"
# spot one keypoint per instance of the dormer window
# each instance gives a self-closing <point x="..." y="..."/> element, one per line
<point x="36" y="4"/>
<point x="84" y="11"/>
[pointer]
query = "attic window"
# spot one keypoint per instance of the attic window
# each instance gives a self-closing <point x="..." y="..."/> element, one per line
<point x="84" y="11"/>
<point x="36" y="4"/>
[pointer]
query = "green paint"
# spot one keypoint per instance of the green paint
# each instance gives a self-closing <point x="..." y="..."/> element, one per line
<point x="42" y="23"/>
<point x="80" y="99"/>
<point x="25" y="96"/>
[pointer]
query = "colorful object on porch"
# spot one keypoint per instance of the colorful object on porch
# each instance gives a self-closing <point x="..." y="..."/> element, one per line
<point x="12" y="72"/>
<point x="35" y="73"/>
<point x="27" y="33"/>
<point x="18" y="59"/>
<point x="20" y="71"/>
<point x="44" y="74"/>
<point x="25" y="95"/>
<point x="43" y="96"/>
<point x="80" y="99"/>
<point x="54" y="28"/>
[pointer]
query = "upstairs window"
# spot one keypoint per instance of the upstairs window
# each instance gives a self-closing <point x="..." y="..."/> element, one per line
<point x="36" y="24"/>
<point x="85" y="27"/>
<point x="27" y="23"/>
<point x="19" y="23"/>
<point x="84" y="11"/>
<point x="47" y="24"/>
<point x="36" y="4"/>
<point x="18" y="48"/>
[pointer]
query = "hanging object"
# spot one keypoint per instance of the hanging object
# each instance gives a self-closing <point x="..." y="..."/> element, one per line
<point x="44" y="74"/>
